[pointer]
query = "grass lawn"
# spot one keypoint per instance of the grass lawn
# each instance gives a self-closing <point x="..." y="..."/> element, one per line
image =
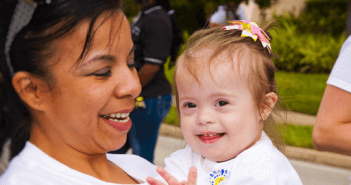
<point x="301" y="92"/>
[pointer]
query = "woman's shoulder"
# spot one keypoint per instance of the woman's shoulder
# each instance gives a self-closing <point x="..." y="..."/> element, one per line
<point x="134" y="165"/>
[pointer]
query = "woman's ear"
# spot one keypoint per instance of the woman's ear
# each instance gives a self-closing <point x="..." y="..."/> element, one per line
<point x="269" y="101"/>
<point x="30" y="89"/>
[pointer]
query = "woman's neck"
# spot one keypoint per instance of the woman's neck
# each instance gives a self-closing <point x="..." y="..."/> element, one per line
<point x="95" y="165"/>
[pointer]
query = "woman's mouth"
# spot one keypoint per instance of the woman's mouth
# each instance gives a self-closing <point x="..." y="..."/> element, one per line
<point x="117" y="117"/>
<point x="119" y="121"/>
<point x="210" y="137"/>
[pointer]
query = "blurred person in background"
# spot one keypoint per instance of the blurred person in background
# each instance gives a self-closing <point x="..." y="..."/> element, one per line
<point x="332" y="130"/>
<point x="152" y="38"/>
<point x="227" y="12"/>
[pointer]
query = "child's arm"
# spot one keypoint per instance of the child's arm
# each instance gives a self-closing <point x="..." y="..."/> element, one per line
<point x="171" y="180"/>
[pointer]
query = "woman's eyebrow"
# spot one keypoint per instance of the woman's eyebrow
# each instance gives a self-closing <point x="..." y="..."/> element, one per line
<point x="105" y="58"/>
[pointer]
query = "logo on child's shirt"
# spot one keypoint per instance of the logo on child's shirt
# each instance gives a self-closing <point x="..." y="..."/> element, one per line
<point x="216" y="177"/>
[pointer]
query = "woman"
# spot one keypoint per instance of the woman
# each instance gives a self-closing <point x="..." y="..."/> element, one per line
<point x="68" y="68"/>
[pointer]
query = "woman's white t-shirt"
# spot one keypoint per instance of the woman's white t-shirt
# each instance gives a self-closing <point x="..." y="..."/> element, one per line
<point x="33" y="167"/>
<point x="340" y="75"/>
<point x="261" y="164"/>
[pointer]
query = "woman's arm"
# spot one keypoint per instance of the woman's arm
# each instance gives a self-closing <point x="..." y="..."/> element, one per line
<point x="332" y="130"/>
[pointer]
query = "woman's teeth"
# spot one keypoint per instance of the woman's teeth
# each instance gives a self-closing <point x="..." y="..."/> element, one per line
<point x="120" y="117"/>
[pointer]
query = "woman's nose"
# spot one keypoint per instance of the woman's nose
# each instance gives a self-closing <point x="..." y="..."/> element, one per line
<point x="129" y="84"/>
<point x="205" y="116"/>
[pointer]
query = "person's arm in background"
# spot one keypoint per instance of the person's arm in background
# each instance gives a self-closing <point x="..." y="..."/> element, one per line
<point x="147" y="73"/>
<point x="332" y="130"/>
<point x="157" y="39"/>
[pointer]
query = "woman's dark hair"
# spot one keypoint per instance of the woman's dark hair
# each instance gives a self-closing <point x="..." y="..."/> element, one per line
<point x="31" y="49"/>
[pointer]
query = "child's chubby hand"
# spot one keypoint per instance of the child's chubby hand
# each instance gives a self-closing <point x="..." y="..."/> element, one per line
<point x="172" y="180"/>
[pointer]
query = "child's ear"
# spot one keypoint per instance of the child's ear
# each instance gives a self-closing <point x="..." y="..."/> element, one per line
<point x="30" y="89"/>
<point x="269" y="101"/>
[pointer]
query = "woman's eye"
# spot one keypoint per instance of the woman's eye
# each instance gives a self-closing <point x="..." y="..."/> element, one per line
<point x="190" y="105"/>
<point x="221" y="103"/>
<point x="131" y="63"/>
<point x="103" y="72"/>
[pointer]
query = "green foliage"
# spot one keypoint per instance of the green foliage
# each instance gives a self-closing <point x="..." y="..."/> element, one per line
<point x="320" y="17"/>
<point x="262" y="4"/>
<point x="131" y="9"/>
<point x="304" y="52"/>
<point x="172" y="116"/>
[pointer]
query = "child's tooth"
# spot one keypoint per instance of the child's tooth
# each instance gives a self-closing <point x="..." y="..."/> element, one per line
<point x="124" y="115"/>
<point x="112" y="115"/>
<point x="211" y="134"/>
<point x="111" y="119"/>
<point x="118" y="115"/>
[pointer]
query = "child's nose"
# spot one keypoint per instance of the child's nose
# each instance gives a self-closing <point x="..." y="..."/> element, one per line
<point x="205" y="116"/>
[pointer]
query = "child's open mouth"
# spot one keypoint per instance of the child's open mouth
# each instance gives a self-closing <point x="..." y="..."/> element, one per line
<point x="209" y="138"/>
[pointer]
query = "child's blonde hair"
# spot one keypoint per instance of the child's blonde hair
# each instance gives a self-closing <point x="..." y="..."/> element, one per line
<point x="261" y="76"/>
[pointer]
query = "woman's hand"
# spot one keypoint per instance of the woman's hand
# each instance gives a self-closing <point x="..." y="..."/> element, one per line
<point x="192" y="176"/>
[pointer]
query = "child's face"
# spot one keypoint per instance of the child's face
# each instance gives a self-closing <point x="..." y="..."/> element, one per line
<point x="219" y="117"/>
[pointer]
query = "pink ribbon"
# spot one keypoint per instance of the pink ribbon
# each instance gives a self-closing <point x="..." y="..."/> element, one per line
<point x="250" y="30"/>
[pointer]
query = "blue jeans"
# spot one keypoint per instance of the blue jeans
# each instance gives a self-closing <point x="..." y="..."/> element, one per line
<point x="146" y="123"/>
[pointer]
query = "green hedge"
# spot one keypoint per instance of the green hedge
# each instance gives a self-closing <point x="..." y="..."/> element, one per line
<point x="304" y="52"/>
<point x="320" y="17"/>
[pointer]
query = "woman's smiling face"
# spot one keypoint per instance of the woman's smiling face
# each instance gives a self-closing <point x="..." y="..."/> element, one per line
<point x="87" y="96"/>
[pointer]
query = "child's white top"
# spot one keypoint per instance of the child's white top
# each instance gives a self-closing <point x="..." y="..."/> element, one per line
<point x="261" y="164"/>
<point x="33" y="167"/>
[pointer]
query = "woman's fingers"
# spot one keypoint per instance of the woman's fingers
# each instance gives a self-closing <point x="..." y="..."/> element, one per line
<point x="192" y="177"/>
<point x="167" y="176"/>
<point x="153" y="181"/>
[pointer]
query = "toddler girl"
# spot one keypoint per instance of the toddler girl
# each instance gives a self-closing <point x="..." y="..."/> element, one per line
<point x="225" y="93"/>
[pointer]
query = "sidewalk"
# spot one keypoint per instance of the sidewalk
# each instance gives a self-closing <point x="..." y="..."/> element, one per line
<point x="310" y="155"/>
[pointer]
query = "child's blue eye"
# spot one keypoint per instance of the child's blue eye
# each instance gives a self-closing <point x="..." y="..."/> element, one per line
<point x="103" y="72"/>
<point x="221" y="103"/>
<point x="190" y="105"/>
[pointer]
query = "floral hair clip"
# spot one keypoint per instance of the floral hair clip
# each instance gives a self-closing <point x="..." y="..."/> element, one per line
<point x="250" y="30"/>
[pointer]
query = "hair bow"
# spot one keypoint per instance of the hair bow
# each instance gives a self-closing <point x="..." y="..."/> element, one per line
<point x="250" y="30"/>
